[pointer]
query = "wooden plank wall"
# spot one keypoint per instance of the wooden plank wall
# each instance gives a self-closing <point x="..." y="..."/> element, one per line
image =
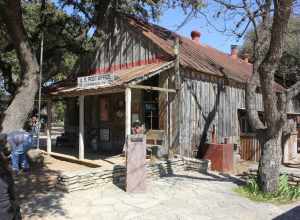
<point x="294" y="105"/>
<point x="126" y="48"/>
<point x="250" y="148"/>
<point x="166" y="80"/>
<point x="202" y="89"/>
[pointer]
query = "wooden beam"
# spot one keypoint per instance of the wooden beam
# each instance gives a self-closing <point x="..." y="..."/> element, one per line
<point x="81" y="127"/>
<point x="152" y="88"/>
<point x="127" y="112"/>
<point x="89" y="163"/>
<point x="86" y="92"/>
<point x="49" y="122"/>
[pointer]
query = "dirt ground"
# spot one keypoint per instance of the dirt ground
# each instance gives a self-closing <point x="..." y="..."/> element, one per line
<point x="243" y="166"/>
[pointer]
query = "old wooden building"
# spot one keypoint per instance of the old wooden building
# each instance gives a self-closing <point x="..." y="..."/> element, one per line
<point x="139" y="73"/>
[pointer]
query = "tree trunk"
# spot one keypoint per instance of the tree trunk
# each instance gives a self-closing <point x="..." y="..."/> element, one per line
<point x="269" y="164"/>
<point x="16" y="114"/>
<point x="269" y="133"/>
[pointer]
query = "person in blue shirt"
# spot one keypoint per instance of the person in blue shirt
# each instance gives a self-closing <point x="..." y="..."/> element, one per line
<point x="20" y="142"/>
<point x="9" y="209"/>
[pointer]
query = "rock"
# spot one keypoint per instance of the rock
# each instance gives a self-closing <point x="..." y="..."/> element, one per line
<point x="84" y="179"/>
<point x="35" y="157"/>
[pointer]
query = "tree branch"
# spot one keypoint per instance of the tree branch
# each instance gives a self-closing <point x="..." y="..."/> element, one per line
<point x="293" y="91"/>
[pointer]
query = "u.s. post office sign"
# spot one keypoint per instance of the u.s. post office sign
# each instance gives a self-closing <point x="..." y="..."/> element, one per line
<point x="96" y="80"/>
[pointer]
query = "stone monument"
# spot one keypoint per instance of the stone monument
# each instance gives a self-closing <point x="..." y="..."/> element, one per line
<point x="136" y="163"/>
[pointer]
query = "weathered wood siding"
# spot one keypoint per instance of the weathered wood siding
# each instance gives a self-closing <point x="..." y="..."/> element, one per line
<point x="125" y="48"/>
<point x="250" y="147"/>
<point x="294" y="105"/>
<point x="168" y="111"/>
<point x="200" y="95"/>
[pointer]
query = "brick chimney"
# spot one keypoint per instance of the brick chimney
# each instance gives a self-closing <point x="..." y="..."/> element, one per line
<point x="246" y="57"/>
<point x="234" y="52"/>
<point x="195" y="35"/>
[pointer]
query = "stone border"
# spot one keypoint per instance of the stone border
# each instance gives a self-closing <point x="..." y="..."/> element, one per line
<point x="93" y="177"/>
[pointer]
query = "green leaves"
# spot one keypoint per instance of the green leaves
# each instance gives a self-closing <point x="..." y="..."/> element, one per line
<point x="63" y="44"/>
<point x="286" y="192"/>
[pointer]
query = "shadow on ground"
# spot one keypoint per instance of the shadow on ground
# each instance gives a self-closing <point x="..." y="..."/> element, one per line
<point x="119" y="173"/>
<point x="212" y="177"/>
<point x="292" y="214"/>
<point x="208" y="176"/>
<point x="167" y="171"/>
<point x="36" y="193"/>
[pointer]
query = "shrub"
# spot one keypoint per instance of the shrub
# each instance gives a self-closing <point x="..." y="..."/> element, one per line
<point x="286" y="192"/>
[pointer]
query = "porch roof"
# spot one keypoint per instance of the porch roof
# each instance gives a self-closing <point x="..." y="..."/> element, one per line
<point x="125" y="76"/>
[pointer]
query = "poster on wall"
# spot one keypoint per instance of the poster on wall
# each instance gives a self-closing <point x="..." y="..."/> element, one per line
<point x="104" y="109"/>
<point x="104" y="134"/>
<point x="134" y="117"/>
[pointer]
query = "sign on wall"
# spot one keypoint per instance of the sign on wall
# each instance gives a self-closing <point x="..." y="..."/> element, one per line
<point x="96" y="80"/>
<point x="104" y="134"/>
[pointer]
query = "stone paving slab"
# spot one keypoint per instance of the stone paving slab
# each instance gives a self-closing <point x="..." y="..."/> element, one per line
<point x="187" y="196"/>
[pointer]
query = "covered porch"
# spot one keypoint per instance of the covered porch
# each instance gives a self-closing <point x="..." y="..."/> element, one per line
<point x="99" y="116"/>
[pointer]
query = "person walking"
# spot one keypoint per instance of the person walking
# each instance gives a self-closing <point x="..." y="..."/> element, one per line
<point x="9" y="210"/>
<point x="20" y="141"/>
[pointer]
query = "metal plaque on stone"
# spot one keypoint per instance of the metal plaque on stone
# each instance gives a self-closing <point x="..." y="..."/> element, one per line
<point x="136" y="163"/>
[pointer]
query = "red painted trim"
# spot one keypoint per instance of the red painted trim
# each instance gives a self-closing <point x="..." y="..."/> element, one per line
<point x="116" y="67"/>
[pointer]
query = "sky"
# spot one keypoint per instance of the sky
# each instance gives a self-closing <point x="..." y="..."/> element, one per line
<point x="172" y="18"/>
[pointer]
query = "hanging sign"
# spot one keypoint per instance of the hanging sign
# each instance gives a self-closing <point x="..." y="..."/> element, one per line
<point x="96" y="80"/>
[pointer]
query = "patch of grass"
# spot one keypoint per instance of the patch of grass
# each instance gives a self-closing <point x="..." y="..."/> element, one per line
<point x="286" y="193"/>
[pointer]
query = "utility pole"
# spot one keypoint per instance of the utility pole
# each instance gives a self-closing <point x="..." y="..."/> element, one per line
<point x="43" y="6"/>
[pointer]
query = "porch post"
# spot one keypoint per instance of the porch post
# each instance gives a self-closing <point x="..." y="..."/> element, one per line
<point x="81" y="127"/>
<point x="127" y="112"/>
<point x="49" y="122"/>
<point x="168" y="118"/>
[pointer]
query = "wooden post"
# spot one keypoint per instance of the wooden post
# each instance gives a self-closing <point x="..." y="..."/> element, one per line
<point x="168" y="117"/>
<point x="177" y="63"/>
<point x="49" y="122"/>
<point x="178" y="89"/>
<point x="127" y="112"/>
<point x="81" y="127"/>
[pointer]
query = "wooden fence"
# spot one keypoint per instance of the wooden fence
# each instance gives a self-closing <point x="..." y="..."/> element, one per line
<point x="250" y="147"/>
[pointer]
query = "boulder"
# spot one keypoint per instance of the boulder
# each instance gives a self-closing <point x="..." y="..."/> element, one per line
<point x="35" y="156"/>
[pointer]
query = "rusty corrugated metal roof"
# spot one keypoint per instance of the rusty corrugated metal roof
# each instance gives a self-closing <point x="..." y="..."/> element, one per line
<point x="199" y="57"/>
<point x="124" y="76"/>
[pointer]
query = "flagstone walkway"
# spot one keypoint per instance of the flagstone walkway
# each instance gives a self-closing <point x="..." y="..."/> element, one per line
<point x="185" y="196"/>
